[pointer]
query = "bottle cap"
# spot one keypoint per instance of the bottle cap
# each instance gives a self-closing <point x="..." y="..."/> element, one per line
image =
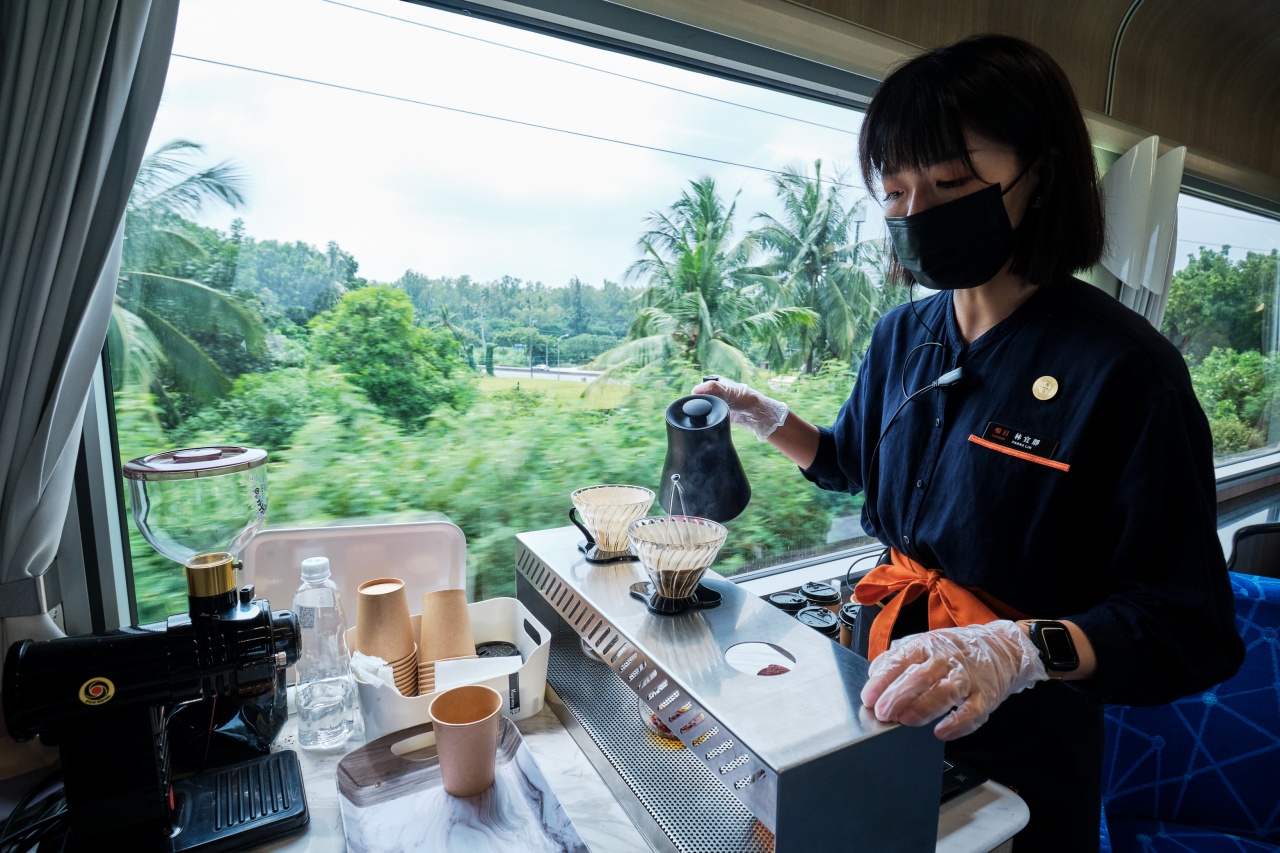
<point x="315" y="568"/>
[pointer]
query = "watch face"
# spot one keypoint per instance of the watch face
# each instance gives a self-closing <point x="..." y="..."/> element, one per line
<point x="1058" y="647"/>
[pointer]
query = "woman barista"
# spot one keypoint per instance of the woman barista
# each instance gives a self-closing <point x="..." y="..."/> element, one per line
<point x="1031" y="450"/>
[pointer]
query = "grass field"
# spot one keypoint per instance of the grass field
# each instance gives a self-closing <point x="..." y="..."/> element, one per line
<point x="599" y="396"/>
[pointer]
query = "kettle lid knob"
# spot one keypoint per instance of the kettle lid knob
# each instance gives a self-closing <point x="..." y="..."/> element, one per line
<point x="697" y="408"/>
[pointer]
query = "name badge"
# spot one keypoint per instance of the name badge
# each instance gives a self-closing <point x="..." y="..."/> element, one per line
<point x="1036" y="445"/>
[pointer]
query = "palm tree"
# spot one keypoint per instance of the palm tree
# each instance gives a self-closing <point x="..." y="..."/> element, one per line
<point x="156" y="309"/>
<point x="698" y="304"/>
<point x="816" y="265"/>
<point x="446" y="321"/>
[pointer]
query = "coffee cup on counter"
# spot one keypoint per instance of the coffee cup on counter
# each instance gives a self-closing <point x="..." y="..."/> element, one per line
<point x="821" y="620"/>
<point x="466" y="720"/>
<point x="789" y="603"/>
<point x="847" y="619"/>
<point x="821" y="595"/>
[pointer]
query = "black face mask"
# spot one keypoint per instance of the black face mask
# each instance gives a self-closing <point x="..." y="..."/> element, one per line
<point x="962" y="243"/>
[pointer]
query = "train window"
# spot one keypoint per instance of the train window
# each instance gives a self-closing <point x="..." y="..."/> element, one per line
<point x="1223" y="314"/>
<point x="435" y="264"/>
<point x="402" y="250"/>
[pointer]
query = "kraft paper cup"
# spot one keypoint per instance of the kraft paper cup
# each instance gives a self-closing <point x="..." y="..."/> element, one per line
<point x="466" y="725"/>
<point x="427" y="673"/>
<point x="446" y="626"/>
<point x="607" y="510"/>
<point x="407" y="684"/>
<point x="382" y="619"/>
<point x="408" y="664"/>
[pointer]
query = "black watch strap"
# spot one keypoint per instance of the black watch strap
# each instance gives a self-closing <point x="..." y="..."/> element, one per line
<point x="1057" y="649"/>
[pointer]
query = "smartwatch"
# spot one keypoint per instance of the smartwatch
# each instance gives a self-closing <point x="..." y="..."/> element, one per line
<point x="1057" y="649"/>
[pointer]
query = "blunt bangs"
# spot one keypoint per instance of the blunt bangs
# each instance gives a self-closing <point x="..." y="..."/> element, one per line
<point x="913" y="122"/>
<point x="1012" y="92"/>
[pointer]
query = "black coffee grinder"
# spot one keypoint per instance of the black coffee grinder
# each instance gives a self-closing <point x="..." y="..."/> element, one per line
<point x="107" y="699"/>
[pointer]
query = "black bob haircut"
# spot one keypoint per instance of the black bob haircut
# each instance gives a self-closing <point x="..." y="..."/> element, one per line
<point x="1012" y="92"/>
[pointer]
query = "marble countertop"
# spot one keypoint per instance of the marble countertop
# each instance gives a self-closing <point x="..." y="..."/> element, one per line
<point x="597" y="816"/>
<point x="974" y="822"/>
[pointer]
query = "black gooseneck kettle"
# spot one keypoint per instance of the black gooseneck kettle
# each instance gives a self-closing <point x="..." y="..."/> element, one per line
<point x="700" y="450"/>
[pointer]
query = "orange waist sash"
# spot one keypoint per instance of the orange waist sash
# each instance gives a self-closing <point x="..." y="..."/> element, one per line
<point x="950" y="604"/>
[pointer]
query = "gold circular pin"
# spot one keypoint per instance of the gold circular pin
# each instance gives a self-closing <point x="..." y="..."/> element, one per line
<point x="1044" y="388"/>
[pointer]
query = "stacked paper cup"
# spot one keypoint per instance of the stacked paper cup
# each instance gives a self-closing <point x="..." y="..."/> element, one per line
<point x="445" y="635"/>
<point x="383" y="630"/>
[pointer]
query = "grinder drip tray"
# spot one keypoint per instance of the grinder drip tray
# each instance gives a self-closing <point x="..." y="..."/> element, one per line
<point x="703" y="597"/>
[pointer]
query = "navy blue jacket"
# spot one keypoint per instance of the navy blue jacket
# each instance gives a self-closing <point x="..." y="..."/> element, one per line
<point x="1095" y="505"/>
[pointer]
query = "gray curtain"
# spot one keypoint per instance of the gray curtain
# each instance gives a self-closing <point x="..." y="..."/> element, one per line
<point x="80" y="81"/>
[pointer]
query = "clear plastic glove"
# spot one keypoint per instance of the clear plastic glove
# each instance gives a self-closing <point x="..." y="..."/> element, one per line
<point x="967" y="671"/>
<point x="747" y="407"/>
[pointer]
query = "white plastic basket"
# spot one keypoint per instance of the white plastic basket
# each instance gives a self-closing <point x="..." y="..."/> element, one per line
<point x="506" y="620"/>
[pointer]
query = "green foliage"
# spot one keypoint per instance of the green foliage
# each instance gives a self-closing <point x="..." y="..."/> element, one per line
<point x="581" y="349"/>
<point x="1230" y="436"/>
<point x="176" y="326"/>
<point x="815" y="266"/>
<point x="296" y="280"/>
<point x="1238" y="392"/>
<point x="511" y="466"/>
<point x="266" y="409"/>
<point x="158" y="583"/>
<point x="1215" y="303"/>
<point x="484" y="310"/>
<point x="698" y="306"/>
<point x="406" y="370"/>
<point x="488" y="359"/>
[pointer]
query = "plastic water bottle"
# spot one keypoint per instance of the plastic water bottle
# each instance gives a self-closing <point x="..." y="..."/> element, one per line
<point x="326" y="692"/>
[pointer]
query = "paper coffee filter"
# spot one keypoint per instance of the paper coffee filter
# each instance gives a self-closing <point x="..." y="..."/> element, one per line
<point x="676" y="551"/>
<point x="608" y="510"/>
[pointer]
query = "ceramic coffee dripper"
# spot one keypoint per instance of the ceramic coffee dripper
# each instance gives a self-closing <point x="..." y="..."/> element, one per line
<point x="465" y="720"/>
<point x="602" y="513"/>
<point x="383" y="628"/>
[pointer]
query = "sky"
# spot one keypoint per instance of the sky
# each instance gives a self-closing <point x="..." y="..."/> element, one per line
<point x="402" y="185"/>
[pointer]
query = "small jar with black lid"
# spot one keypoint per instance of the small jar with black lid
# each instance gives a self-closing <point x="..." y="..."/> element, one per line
<point x="821" y="595"/>
<point x="821" y="620"/>
<point x="790" y="603"/>
<point x="847" y="619"/>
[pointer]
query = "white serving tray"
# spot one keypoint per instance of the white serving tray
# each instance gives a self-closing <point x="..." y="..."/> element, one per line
<point x="391" y="799"/>
<point x="426" y="555"/>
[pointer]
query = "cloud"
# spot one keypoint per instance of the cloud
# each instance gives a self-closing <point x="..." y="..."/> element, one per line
<point x="402" y="185"/>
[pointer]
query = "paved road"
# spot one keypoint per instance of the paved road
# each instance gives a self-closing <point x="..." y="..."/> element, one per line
<point x="566" y="374"/>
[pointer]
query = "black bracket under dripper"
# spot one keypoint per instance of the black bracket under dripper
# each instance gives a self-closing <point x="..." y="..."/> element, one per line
<point x="594" y="553"/>
<point x="702" y="598"/>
